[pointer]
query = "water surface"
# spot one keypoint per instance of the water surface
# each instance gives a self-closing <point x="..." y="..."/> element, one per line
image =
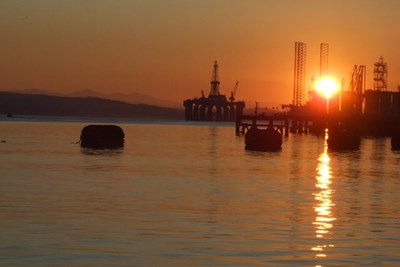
<point x="190" y="195"/>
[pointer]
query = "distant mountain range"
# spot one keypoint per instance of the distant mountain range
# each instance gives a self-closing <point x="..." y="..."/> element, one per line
<point x="40" y="104"/>
<point x="132" y="98"/>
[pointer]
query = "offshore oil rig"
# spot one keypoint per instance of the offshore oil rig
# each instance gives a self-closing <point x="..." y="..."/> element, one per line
<point x="215" y="107"/>
<point x="349" y="114"/>
<point x="375" y="112"/>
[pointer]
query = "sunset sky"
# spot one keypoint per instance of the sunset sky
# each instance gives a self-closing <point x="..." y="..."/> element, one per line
<point x="166" y="48"/>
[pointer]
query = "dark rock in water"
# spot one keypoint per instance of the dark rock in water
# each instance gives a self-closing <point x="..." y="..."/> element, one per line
<point x="102" y="136"/>
<point x="263" y="140"/>
<point x="343" y="138"/>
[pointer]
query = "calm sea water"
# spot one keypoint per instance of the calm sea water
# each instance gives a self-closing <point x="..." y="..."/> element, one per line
<point x="190" y="195"/>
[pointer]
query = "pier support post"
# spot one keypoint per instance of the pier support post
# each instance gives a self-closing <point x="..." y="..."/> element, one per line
<point x="237" y="126"/>
<point x="286" y="128"/>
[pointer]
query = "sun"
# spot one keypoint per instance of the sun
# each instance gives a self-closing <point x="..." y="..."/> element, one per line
<point x="327" y="86"/>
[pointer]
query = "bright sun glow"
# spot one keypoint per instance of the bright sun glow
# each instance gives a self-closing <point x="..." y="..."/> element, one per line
<point x="327" y="87"/>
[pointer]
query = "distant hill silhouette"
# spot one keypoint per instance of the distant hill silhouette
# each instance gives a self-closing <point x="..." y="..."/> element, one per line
<point x="47" y="105"/>
<point x="132" y="98"/>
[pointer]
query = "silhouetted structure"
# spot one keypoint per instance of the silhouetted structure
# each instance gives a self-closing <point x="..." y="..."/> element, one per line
<point x="348" y="115"/>
<point x="216" y="106"/>
<point x="323" y="57"/>
<point x="376" y="112"/>
<point x="299" y="74"/>
<point x="358" y="79"/>
<point x="278" y="122"/>
<point x="102" y="136"/>
<point x="380" y="75"/>
<point x="344" y="133"/>
<point x="381" y="112"/>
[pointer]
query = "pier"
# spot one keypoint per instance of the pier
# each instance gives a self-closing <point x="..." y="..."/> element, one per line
<point x="283" y="123"/>
<point x="278" y="122"/>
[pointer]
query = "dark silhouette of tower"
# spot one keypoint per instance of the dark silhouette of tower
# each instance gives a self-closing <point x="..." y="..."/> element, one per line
<point x="380" y="75"/>
<point x="299" y="74"/>
<point x="323" y="65"/>
<point x="214" y="89"/>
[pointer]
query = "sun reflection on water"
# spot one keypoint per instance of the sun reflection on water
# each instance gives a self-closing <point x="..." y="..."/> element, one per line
<point x="324" y="217"/>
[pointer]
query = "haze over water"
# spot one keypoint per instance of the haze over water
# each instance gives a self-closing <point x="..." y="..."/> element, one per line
<point x="190" y="195"/>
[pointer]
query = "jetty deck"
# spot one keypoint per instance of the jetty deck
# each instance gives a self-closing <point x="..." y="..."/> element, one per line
<point x="282" y="122"/>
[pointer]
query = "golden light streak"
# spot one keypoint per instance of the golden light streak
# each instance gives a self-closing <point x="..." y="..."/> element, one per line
<point x="324" y="217"/>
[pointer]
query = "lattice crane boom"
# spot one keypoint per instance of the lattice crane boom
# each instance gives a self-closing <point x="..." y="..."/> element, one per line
<point x="233" y="92"/>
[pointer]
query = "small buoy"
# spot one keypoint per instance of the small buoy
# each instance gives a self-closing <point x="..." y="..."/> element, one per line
<point x="102" y="136"/>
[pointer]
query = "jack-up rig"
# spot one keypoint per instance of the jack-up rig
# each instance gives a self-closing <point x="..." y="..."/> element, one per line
<point x="374" y="111"/>
<point x="349" y="114"/>
<point x="215" y="107"/>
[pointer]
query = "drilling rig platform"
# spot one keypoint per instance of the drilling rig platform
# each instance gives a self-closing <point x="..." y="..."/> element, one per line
<point x="215" y="107"/>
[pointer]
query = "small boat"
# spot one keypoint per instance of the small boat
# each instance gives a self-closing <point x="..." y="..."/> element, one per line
<point x="263" y="139"/>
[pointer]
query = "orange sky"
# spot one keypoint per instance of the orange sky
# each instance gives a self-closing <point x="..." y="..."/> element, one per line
<point x="167" y="48"/>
